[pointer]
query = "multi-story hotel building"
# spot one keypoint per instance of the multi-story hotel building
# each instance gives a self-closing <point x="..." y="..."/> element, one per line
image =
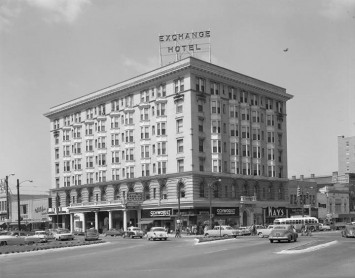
<point x="184" y="139"/>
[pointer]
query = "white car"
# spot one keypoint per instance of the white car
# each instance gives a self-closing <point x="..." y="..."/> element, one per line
<point x="221" y="231"/>
<point x="63" y="234"/>
<point x="157" y="233"/>
<point x="39" y="236"/>
<point x="265" y="232"/>
<point x="12" y="238"/>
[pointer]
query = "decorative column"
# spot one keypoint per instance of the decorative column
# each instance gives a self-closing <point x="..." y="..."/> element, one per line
<point x="83" y="228"/>
<point x="96" y="220"/>
<point x="125" y="219"/>
<point x="109" y="219"/>
<point x="72" y="222"/>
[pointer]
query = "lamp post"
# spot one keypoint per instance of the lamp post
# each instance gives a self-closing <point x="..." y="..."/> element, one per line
<point x="7" y="199"/>
<point x="179" y="184"/>
<point x="18" y="203"/>
<point x="300" y="195"/>
<point x="210" y="185"/>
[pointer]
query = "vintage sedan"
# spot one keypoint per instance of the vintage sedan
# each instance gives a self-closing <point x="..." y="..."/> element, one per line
<point x="13" y="238"/>
<point x="91" y="234"/>
<point x="243" y="231"/>
<point x="283" y="232"/>
<point x="157" y="233"/>
<point x="221" y="231"/>
<point x="114" y="232"/>
<point x="38" y="236"/>
<point x="133" y="232"/>
<point x="63" y="234"/>
<point x="349" y="231"/>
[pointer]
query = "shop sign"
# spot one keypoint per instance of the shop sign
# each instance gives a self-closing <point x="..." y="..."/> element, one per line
<point x="276" y="212"/>
<point x="298" y="211"/>
<point x="150" y="213"/>
<point x="225" y="211"/>
<point x="134" y="198"/>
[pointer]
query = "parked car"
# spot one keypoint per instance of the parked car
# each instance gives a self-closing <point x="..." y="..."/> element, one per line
<point x="63" y="234"/>
<point x="243" y="231"/>
<point x="38" y="236"/>
<point x="222" y="231"/>
<point x="133" y="232"/>
<point x="264" y="232"/>
<point x="13" y="238"/>
<point x="323" y="227"/>
<point x="283" y="232"/>
<point x="91" y="234"/>
<point x="349" y="231"/>
<point x="157" y="233"/>
<point x="114" y="232"/>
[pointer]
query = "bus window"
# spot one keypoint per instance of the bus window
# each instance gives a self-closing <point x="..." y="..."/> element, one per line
<point x="288" y="222"/>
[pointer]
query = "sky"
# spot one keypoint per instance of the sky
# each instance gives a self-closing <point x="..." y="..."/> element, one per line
<point x="52" y="51"/>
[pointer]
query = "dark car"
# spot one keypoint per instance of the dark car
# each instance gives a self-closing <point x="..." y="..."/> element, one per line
<point x="91" y="234"/>
<point x="349" y="231"/>
<point x="114" y="232"/>
<point x="283" y="232"/>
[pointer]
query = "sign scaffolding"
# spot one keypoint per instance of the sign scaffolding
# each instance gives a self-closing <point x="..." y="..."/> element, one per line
<point x="175" y="47"/>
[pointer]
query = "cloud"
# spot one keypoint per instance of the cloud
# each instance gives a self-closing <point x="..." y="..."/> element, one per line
<point x="60" y="10"/>
<point x="337" y="9"/>
<point x="8" y="12"/>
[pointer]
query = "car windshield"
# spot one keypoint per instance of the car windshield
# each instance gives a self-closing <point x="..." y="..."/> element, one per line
<point x="135" y="229"/>
<point x="63" y="232"/>
<point x="158" y="229"/>
<point x="228" y="228"/>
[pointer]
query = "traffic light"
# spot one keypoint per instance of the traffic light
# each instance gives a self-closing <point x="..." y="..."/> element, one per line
<point x="298" y="192"/>
<point x="307" y="195"/>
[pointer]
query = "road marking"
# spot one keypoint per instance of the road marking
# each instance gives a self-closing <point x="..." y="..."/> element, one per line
<point x="196" y="241"/>
<point x="309" y="249"/>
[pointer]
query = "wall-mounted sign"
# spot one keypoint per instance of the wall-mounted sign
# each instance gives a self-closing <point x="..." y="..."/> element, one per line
<point x="278" y="212"/>
<point x="134" y="198"/>
<point x="156" y="213"/>
<point x="174" y="47"/>
<point x="225" y="211"/>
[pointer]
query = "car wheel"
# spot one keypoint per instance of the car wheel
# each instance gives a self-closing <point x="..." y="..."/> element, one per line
<point x="225" y="236"/>
<point x="206" y="235"/>
<point x="289" y="239"/>
<point x="260" y="235"/>
<point x="3" y="243"/>
<point x="271" y="241"/>
<point x="165" y="238"/>
<point x="141" y="237"/>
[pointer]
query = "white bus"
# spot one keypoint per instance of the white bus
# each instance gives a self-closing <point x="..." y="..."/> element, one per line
<point x="299" y="221"/>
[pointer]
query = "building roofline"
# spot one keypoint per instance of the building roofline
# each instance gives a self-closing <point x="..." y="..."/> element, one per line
<point x="189" y="62"/>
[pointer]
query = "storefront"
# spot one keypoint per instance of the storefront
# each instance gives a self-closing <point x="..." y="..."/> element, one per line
<point x="271" y="213"/>
<point x="157" y="218"/>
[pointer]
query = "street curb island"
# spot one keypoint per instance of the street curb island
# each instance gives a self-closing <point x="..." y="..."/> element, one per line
<point x="5" y="250"/>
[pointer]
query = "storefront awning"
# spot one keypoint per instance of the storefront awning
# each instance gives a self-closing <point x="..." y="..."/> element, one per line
<point x="145" y="222"/>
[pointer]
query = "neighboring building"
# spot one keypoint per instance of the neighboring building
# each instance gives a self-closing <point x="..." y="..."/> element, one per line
<point x="335" y="197"/>
<point x="346" y="155"/>
<point x="168" y="136"/>
<point x="306" y="202"/>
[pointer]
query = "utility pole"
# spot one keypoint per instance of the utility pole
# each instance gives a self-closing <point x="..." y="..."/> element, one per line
<point x="7" y="200"/>
<point x="18" y="206"/>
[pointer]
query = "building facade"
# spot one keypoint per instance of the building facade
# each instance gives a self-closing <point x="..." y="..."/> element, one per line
<point x="346" y="155"/>
<point x="183" y="140"/>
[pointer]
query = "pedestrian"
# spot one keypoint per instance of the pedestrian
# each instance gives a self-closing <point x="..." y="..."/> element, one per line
<point x="177" y="232"/>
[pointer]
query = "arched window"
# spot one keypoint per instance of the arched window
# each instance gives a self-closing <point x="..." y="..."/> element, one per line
<point x="202" y="189"/>
<point x="146" y="192"/>
<point x="103" y="193"/>
<point x="78" y="196"/>
<point x="163" y="192"/>
<point x="116" y="193"/>
<point x="90" y="194"/>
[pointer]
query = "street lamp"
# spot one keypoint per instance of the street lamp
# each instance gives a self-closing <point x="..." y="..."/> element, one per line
<point x="179" y="185"/>
<point x="18" y="202"/>
<point x="210" y="185"/>
<point x="300" y="195"/>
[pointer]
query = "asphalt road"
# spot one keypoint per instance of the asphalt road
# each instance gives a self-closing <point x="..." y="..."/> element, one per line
<point x="323" y="255"/>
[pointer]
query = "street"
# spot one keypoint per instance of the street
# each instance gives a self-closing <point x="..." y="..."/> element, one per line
<point x="329" y="255"/>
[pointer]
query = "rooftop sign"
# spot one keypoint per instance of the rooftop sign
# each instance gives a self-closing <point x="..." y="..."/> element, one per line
<point x="174" y="47"/>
